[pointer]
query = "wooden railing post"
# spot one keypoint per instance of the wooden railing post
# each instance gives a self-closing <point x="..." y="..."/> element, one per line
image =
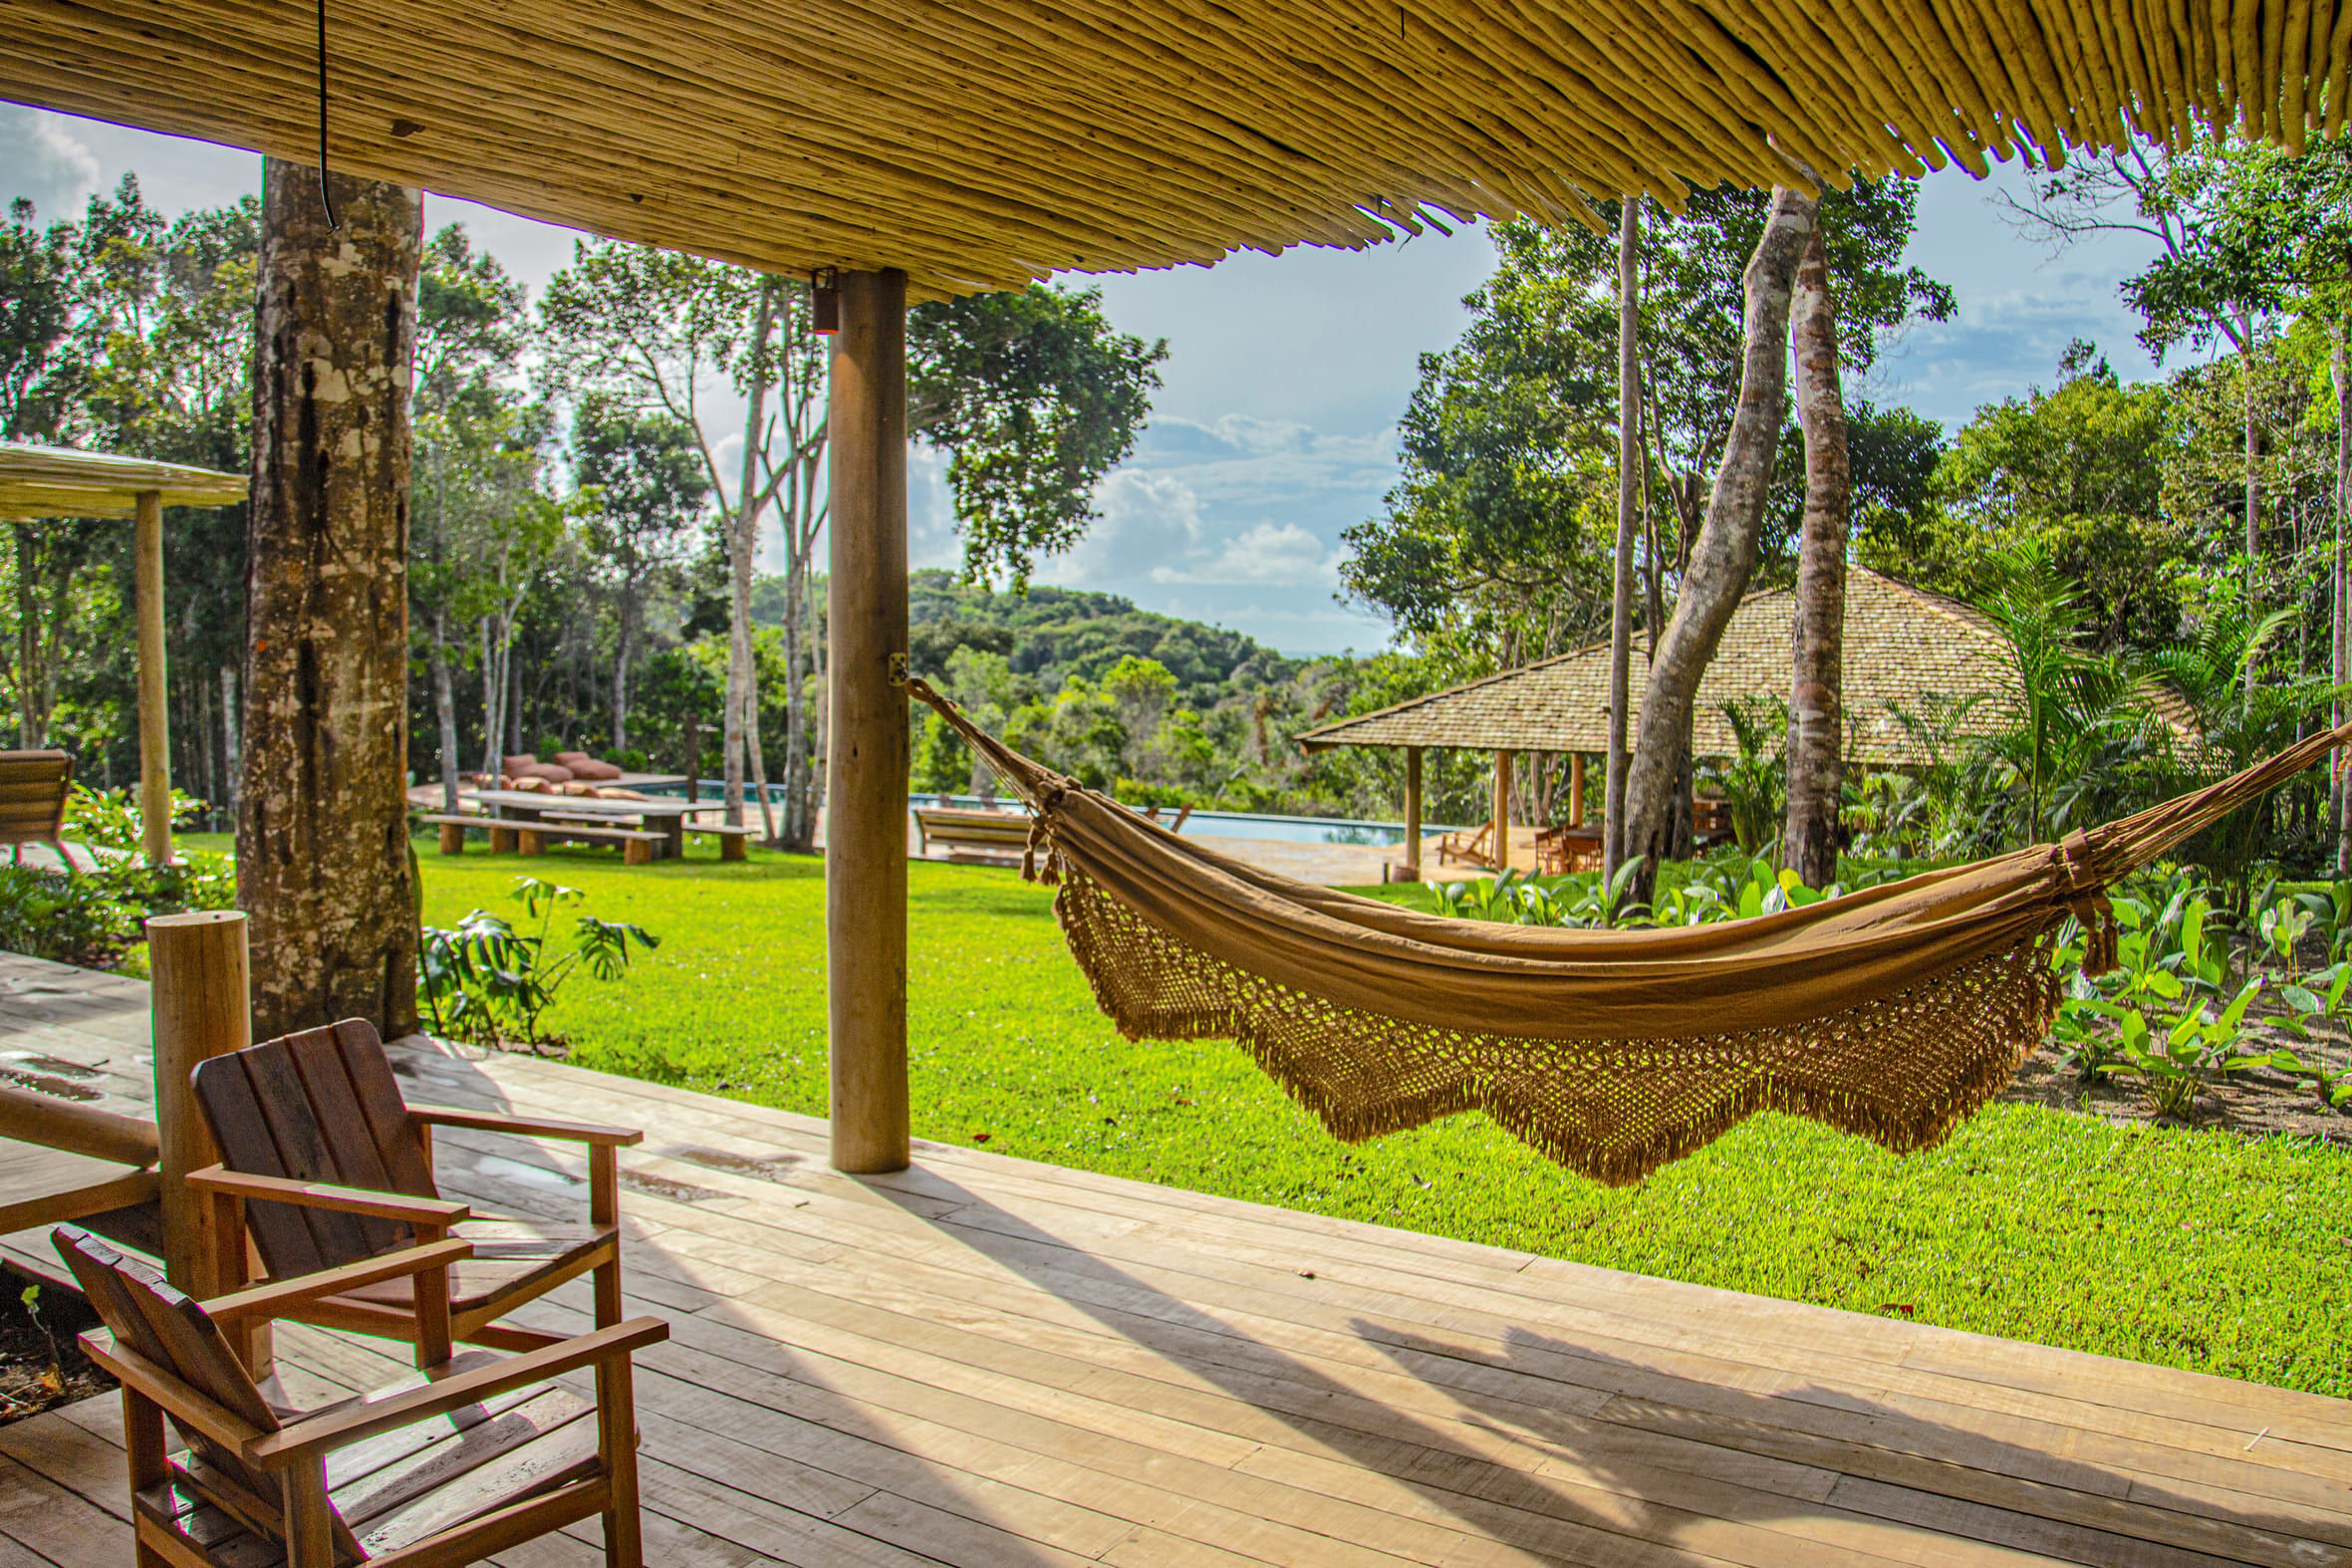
<point x="865" y="753"/>
<point x="202" y="1008"/>
<point x="154" y="720"/>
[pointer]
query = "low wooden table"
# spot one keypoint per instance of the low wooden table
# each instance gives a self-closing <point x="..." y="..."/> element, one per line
<point x="666" y="817"/>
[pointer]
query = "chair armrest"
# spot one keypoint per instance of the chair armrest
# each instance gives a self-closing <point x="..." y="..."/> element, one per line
<point x="352" y="1422"/>
<point x="322" y="1195"/>
<point x="527" y="1126"/>
<point x="135" y="1372"/>
<point x="276" y="1298"/>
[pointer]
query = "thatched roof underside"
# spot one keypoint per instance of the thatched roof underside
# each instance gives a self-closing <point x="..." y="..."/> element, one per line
<point x="1932" y="657"/>
<point x="58" y="482"/>
<point x="982" y="143"/>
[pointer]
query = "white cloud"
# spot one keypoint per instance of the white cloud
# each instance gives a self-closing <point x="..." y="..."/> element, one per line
<point x="1284" y="554"/>
<point x="45" y="160"/>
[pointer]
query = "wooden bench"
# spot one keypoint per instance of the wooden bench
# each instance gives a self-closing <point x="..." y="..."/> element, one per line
<point x="732" y="842"/>
<point x="637" y="847"/>
<point x="453" y="830"/>
<point x="995" y="836"/>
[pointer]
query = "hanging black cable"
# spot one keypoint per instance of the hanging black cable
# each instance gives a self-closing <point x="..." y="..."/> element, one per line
<point x="324" y="196"/>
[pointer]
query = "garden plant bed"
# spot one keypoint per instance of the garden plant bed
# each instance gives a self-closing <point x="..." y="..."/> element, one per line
<point x="2257" y="1104"/>
<point x="32" y="1378"/>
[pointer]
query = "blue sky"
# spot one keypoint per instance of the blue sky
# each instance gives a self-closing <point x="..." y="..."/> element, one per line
<point x="1285" y="376"/>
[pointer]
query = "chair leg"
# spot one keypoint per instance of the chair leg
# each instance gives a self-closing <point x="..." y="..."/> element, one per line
<point x="310" y="1523"/>
<point x="607" y="1280"/>
<point x="636" y="852"/>
<point x="732" y="846"/>
<point x="615" y="1418"/>
<point x="453" y="838"/>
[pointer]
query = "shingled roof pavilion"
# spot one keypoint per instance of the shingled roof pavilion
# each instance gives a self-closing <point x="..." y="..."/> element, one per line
<point x="58" y="482"/>
<point x="1906" y="649"/>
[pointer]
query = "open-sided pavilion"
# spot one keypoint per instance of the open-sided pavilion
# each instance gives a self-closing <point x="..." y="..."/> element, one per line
<point x="58" y="482"/>
<point x="982" y="1361"/>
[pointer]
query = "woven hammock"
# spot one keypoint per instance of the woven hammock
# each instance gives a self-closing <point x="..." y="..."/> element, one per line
<point x="1893" y="1012"/>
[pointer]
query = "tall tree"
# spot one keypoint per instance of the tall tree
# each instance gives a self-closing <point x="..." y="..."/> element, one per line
<point x="469" y="336"/>
<point x="1630" y="467"/>
<point x="1725" y="552"/>
<point x="323" y="860"/>
<point x="649" y="490"/>
<point x="661" y="332"/>
<point x="1035" y="398"/>
<point x="1816" y="701"/>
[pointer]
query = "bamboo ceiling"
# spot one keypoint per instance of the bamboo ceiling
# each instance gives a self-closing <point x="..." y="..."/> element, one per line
<point x="985" y="142"/>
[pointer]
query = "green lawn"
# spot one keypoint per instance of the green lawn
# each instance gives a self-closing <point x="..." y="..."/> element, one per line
<point x="2193" y="1249"/>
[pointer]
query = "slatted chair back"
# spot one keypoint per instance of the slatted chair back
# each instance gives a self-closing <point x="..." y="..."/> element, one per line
<point x="160" y="1324"/>
<point x="318" y="1106"/>
<point x="33" y="790"/>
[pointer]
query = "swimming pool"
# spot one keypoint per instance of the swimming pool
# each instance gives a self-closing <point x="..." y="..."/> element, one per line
<point x="1257" y="824"/>
<point x="1207" y="824"/>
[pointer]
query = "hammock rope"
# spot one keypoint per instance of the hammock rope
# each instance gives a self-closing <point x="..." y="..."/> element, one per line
<point x="1893" y="1012"/>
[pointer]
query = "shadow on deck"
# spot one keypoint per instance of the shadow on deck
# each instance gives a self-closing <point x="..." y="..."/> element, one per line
<point x="984" y="1361"/>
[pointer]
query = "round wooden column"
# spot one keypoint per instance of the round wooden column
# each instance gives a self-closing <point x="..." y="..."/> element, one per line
<point x="201" y="1009"/>
<point x="1503" y="811"/>
<point x="1413" y="813"/>
<point x="154" y="720"/>
<point x="866" y="761"/>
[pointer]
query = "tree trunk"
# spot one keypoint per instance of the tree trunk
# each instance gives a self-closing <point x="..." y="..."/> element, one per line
<point x="445" y="709"/>
<point x="2340" y="818"/>
<point x="1816" y="692"/>
<point x="1621" y="610"/>
<point x="2254" y="494"/>
<point x="1724" y="554"/>
<point x="742" y="536"/>
<point x="323" y="860"/>
<point x="620" y="658"/>
<point x="796" y="718"/>
<point x="231" y="740"/>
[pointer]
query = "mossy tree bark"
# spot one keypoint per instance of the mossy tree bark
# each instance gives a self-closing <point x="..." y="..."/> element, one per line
<point x="1724" y="554"/>
<point x="1816" y="692"/>
<point x="323" y="861"/>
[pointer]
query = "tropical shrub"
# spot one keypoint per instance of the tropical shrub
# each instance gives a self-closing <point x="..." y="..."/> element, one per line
<point x="485" y="981"/>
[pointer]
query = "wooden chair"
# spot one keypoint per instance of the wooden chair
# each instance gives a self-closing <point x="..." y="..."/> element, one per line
<point x="479" y="1453"/>
<point x="1567" y="848"/>
<point x="324" y="1165"/>
<point x="33" y="790"/>
<point x="1471" y="849"/>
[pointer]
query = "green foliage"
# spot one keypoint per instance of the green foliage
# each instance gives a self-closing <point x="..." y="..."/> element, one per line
<point x="486" y="981"/>
<point x="1035" y="398"/>
<point x="1755" y="781"/>
<point x="2076" y="474"/>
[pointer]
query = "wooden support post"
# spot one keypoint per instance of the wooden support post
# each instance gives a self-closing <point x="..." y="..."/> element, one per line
<point x="1502" y="812"/>
<point x="201" y="1008"/>
<point x="1413" y="813"/>
<point x="154" y="720"/>
<point x="1576" y="789"/>
<point x="866" y="762"/>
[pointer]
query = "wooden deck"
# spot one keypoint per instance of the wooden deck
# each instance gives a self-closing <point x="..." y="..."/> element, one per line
<point x="988" y="1361"/>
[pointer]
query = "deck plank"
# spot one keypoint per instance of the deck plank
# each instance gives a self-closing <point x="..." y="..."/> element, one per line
<point x="987" y="1361"/>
